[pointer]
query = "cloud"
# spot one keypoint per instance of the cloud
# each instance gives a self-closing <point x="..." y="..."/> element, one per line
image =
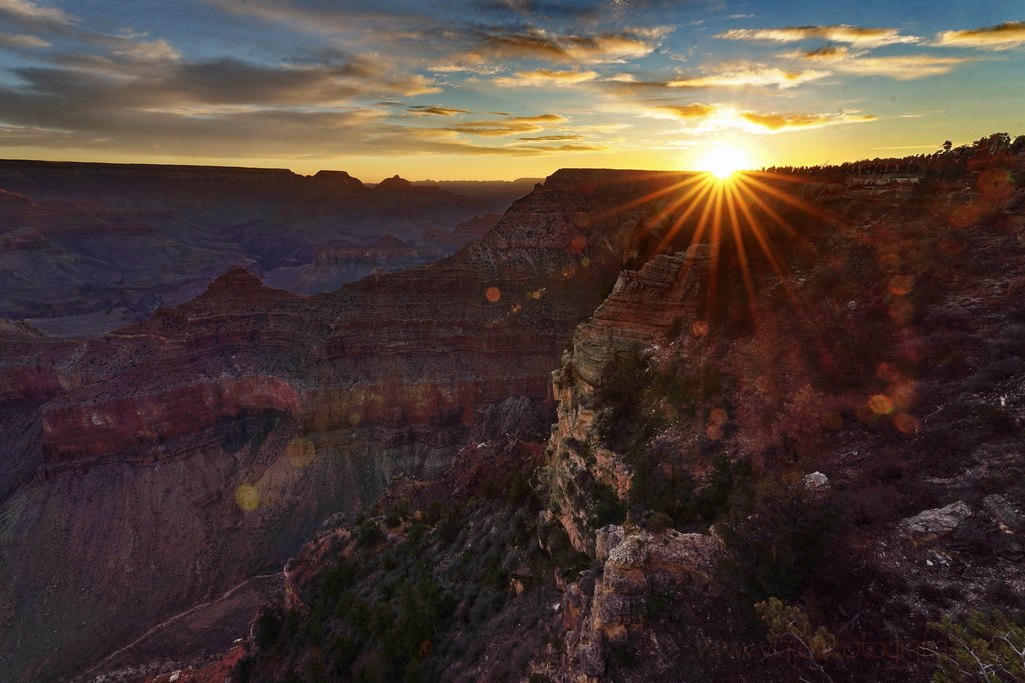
<point x="135" y="103"/>
<point x="223" y="131"/>
<point x="688" y="111"/>
<point x="826" y="53"/>
<point x="562" y="148"/>
<point x="513" y="125"/>
<point x="537" y="43"/>
<point x="21" y="41"/>
<point x="749" y="76"/>
<point x="461" y="37"/>
<point x="899" y="67"/>
<point x="838" y="33"/>
<point x="437" y="111"/>
<point x="552" y="138"/>
<point x="776" y="123"/>
<point x="902" y="68"/>
<point x="1006" y="36"/>
<point x="717" y="117"/>
<point x="543" y="77"/>
<point x="133" y="48"/>
<point x="28" y="13"/>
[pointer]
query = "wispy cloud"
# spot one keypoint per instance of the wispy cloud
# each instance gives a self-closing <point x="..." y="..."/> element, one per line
<point x="561" y="148"/>
<point x="422" y="109"/>
<point x="709" y="118"/>
<point x="511" y="125"/>
<point x="1006" y="36"/>
<point x="538" y="43"/>
<point x="754" y="75"/>
<point x="135" y="48"/>
<point x="899" y="67"/>
<point x="22" y="41"/>
<point x="839" y="33"/>
<point x="29" y="13"/>
<point x="543" y="77"/>
<point x="775" y="123"/>
<point x="902" y="68"/>
<point x="552" y="138"/>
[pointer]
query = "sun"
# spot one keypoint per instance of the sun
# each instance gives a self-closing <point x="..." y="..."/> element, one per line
<point x="723" y="162"/>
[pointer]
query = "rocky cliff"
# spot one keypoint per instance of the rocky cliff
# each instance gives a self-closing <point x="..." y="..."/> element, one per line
<point x="815" y="463"/>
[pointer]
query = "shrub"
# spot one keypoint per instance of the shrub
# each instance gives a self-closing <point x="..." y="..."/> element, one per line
<point x="659" y="522"/>
<point x="788" y="625"/>
<point x="775" y="536"/>
<point x="986" y="647"/>
<point x="369" y="533"/>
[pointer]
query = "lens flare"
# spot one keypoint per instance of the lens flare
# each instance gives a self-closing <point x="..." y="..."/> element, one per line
<point x="247" y="497"/>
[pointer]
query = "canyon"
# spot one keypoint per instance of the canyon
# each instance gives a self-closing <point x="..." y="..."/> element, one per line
<point x="159" y="465"/>
<point x="563" y="451"/>
<point x="86" y="248"/>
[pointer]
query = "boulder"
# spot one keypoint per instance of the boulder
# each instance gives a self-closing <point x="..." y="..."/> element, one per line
<point x="932" y="524"/>
<point x="816" y="481"/>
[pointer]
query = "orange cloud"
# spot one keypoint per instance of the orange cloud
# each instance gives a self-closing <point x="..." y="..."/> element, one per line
<point x="1006" y="36"/>
<point x="689" y="111"/>
<point x="513" y="125"/>
<point x="775" y="123"/>
<point x="22" y="41"/>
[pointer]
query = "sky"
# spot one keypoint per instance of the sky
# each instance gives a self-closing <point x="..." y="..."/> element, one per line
<point x="500" y="89"/>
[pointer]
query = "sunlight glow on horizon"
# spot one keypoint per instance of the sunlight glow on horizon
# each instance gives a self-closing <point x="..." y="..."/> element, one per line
<point x="723" y="161"/>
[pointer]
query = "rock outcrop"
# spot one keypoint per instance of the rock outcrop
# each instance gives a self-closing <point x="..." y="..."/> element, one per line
<point x="645" y="308"/>
<point x="635" y="571"/>
<point x="929" y="525"/>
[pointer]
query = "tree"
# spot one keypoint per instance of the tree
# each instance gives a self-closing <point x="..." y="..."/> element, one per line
<point x="790" y="633"/>
<point x="989" y="648"/>
<point x="947" y="145"/>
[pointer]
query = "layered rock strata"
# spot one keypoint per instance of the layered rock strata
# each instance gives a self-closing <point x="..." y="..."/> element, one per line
<point x="160" y="465"/>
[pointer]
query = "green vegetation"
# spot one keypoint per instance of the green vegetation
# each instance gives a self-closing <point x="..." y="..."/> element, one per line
<point x="420" y="604"/>
<point x="988" y="647"/>
<point x="638" y="400"/>
<point x="788" y="626"/>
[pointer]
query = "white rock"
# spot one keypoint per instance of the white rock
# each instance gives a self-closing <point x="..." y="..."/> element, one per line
<point x="816" y="481"/>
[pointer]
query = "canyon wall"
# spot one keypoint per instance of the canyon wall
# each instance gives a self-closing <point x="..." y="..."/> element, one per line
<point x="158" y="466"/>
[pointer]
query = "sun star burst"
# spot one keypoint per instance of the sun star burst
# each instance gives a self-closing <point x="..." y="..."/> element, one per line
<point x="724" y="161"/>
